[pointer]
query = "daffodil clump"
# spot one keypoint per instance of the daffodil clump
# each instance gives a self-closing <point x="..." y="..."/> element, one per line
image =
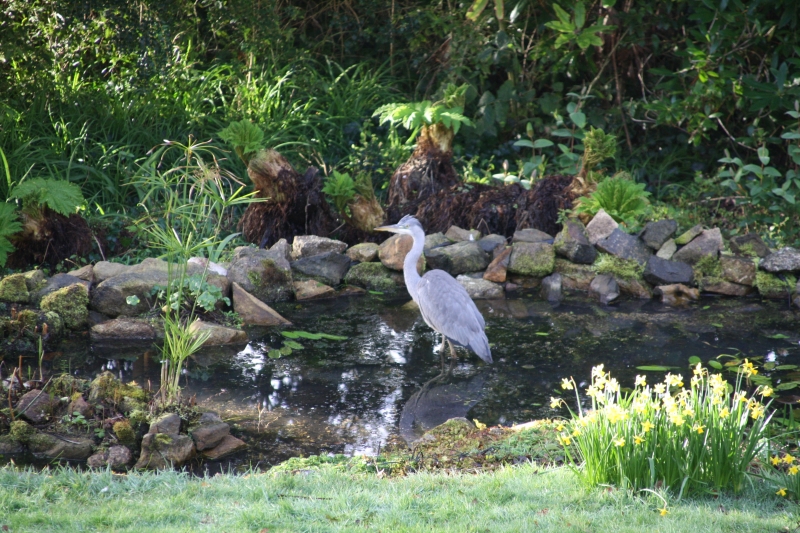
<point x="785" y="472"/>
<point x="688" y="439"/>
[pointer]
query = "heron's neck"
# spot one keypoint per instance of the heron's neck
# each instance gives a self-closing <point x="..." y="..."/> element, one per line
<point x="410" y="273"/>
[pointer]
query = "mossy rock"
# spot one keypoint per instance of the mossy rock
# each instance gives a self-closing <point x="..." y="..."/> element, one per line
<point x="532" y="259"/>
<point x="14" y="289"/>
<point x="107" y="387"/>
<point x="71" y="303"/>
<point x="371" y="276"/>
<point x="618" y="267"/>
<point x="22" y="432"/>
<point x="67" y="385"/>
<point x="125" y="433"/>
<point x="771" y="286"/>
<point x="708" y="266"/>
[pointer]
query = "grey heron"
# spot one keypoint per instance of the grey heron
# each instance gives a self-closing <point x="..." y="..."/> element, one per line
<point x="444" y="303"/>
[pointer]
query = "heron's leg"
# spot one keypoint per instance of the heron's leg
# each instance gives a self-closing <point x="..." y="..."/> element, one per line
<point x="441" y="348"/>
<point x="452" y="350"/>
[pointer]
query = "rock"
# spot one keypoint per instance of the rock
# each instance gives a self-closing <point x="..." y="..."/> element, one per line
<point x="574" y="277"/>
<point x="749" y="244"/>
<point x="266" y="274"/>
<point x="371" y="276"/>
<point x="328" y="267"/>
<point x="124" y="328"/>
<point x="481" y="289"/>
<point x="14" y="289"/>
<point x="786" y="259"/>
<point x="522" y="283"/>
<point x="57" y="282"/>
<point x="169" y="423"/>
<point x="531" y="235"/>
<point x="103" y="270"/>
<point x="572" y="242"/>
<point x="107" y="386"/>
<point x="655" y="234"/>
<point x="161" y="451"/>
<point x="708" y="243"/>
<point x="86" y="273"/>
<point x="62" y="447"/>
<point x="662" y="272"/>
<point x="490" y="242"/>
<point x="34" y="279"/>
<point x="635" y="287"/>
<point x="209" y="267"/>
<point x="458" y="258"/>
<point x="532" y="259"/>
<point x="676" y="294"/>
<point x="363" y="253"/>
<point x="497" y="269"/>
<point x="725" y="287"/>
<point x="626" y="246"/>
<point x="392" y="252"/>
<point x="436" y="240"/>
<point x="283" y="249"/>
<point x="80" y="406"/>
<point x="35" y="406"/>
<point x="10" y="446"/>
<point x="667" y="249"/>
<point x="312" y="290"/>
<point x="218" y="335"/>
<point x="253" y="311"/>
<point x="772" y="286"/>
<point x="311" y="245"/>
<point x="110" y="296"/>
<point x="689" y="235"/>
<point x="605" y="287"/>
<point x="209" y="432"/>
<point x="98" y="460"/>
<point x="117" y="457"/>
<point x="71" y="304"/>
<point x="551" y="288"/>
<point x="738" y="269"/>
<point x="456" y="234"/>
<point x="600" y="227"/>
<point x="229" y="445"/>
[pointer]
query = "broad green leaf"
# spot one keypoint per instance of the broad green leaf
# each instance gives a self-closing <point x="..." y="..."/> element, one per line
<point x="542" y="143"/>
<point x="274" y="354"/>
<point x="562" y="15"/>
<point x="693" y="360"/>
<point x="476" y="9"/>
<point x="524" y="143"/>
<point x="579" y="119"/>
<point x="785" y="367"/>
<point x="787" y="386"/>
<point x="715" y="364"/>
<point x="655" y="368"/>
<point x="580" y="15"/>
<point x="293" y="345"/>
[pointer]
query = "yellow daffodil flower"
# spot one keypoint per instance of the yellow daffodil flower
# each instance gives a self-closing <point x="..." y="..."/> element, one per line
<point x="660" y="388"/>
<point x="564" y="440"/>
<point x="566" y="384"/>
<point x="620" y="442"/>
<point x="793" y="470"/>
<point x="663" y="511"/>
<point x="674" y="380"/>
<point x="576" y="432"/>
<point x="788" y="459"/>
<point x="641" y="381"/>
<point x="560" y="427"/>
<point x="555" y="402"/>
<point x="724" y="413"/>
<point x="775" y="460"/>
<point x="698" y="428"/>
<point x="647" y="426"/>
<point x="748" y="368"/>
<point x="766" y="391"/>
<point x="638" y="440"/>
<point x="781" y="492"/>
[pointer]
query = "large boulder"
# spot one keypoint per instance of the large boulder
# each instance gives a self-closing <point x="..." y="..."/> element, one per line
<point x="209" y="431"/>
<point x="124" y="328"/>
<point x="708" y="243"/>
<point x="218" y="335"/>
<point x="13" y="289"/>
<point x="111" y="297"/>
<point x="117" y="457"/>
<point x="283" y="249"/>
<point x="620" y="244"/>
<point x="436" y="240"/>
<point x="498" y="268"/>
<point x="739" y="270"/>
<point x="392" y="252"/>
<point x="748" y="244"/>
<point x="104" y="269"/>
<point x="162" y="450"/>
<point x="61" y="447"/>
<point x="71" y="304"/>
<point x="227" y="446"/>
<point x="35" y="406"/>
<point x="458" y="258"/>
<point x="57" y="282"/>
<point x="572" y="242"/>
<point x="655" y="234"/>
<point x="784" y="260"/>
<point x="532" y="259"/>
<point x="531" y="235"/>
<point x="253" y="311"/>
<point x="311" y="245"/>
<point x="481" y="289"/>
<point x="363" y="253"/>
<point x="600" y="227"/>
<point x="168" y="423"/>
<point x="456" y="234"/>
<point x="327" y="267"/>
<point x="371" y="276"/>
<point x="662" y="272"/>
<point x="266" y="274"/>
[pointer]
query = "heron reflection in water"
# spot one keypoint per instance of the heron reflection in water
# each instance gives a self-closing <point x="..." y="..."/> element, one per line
<point x="443" y="302"/>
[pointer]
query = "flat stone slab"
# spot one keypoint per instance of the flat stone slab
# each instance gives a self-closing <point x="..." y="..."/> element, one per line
<point x="311" y="245"/>
<point x="687" y="236"/>
<point x="124" y="328"/>
<point x="105" y="269"/>
<point x="498" y="268"/>
<point x="741" y="270"/>
<point x="531" y="235"/>
<point x="708" y="243"/>
<point x="667" y="249"/>
<point x="662" y="272"/>
<point x="312" y="290"/>
<point x="655" y="234"/>
<point x="229" y="445"/>
<point x="219" y="335"/>
<point x="574" y="277"/>
<point x="481" y="289"/>
<point x="456" y="234"/>
<point x="253" y="311"/>
<point x="363" y="253"/>
<point x="58" y="282"/>
<point x="626" y="246"/>
<point x="725" y="288"/>
<point x="458" y="258"/>
<point x="784" y="260"/>
<point x="490" y="242"/>
<point x="600" y="227"/>
<point x="327" y="267"/>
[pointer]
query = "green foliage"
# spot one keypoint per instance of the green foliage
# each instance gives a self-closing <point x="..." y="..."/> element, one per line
<point x="622" y="198"/>
<point x="571" y="28"/>
<point x="412" y="116"/>
<point x="597" y="147"/>
<point x="61" y="196"/>
<point x="341" y="189"/>
<point x="9" y="225"/>
<point x="617" y="266"/>
<point x="244" y="137"/>
<point x="188" y="291"/>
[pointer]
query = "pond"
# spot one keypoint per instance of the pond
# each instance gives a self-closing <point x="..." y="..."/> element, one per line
<point x="380" y="379"/>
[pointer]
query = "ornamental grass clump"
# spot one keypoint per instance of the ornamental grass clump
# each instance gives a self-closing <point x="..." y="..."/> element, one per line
<point x="693" y="439"/>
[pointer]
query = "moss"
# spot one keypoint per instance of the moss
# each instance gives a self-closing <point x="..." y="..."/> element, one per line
<point x="371" y="276"/>
<point x="532" y="259"/>
<point x="137" y="418"/>
<point x="618" y="267"/>
<point x="27" y="320"/>
<point x="14" y="289"/>
<point x="771" y="286"/>
<point x="22" y="431"/>
<point x="747" y="249"/>
<point x="125" y="433"/>
<point x="163" y="439"/>
<point x="67" y="385"/>
<point x="71" y="303"/>
<point x="107" y="387"/>
<point x="708" y="266"/>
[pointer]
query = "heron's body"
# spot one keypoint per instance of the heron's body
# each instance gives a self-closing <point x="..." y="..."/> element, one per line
<point x="443" y="302"/>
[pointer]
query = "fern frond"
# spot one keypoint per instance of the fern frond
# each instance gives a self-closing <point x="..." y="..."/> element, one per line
<point x="60" y="196"/>
<point x="9" y="225"/>
<point x="623" y="199"/>
<point x="243" y="136"/>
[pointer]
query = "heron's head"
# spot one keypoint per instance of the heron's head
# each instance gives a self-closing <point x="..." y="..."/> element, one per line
<point x="403" y="227"/>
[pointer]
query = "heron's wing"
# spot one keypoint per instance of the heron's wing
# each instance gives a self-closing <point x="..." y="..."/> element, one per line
<point x="447" y="308"/>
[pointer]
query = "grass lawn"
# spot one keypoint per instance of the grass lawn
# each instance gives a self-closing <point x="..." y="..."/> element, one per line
<point x="524" y="498"/>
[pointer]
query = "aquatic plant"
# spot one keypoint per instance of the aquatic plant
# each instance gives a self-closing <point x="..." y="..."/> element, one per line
<point x="687" y="439"/>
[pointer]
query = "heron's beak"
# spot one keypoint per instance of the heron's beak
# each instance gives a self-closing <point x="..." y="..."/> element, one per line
<point x="393" y="228"/>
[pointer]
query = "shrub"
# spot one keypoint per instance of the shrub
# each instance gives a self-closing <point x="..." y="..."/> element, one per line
<point x="688" y="440"/>
<point x="622" y="198"/>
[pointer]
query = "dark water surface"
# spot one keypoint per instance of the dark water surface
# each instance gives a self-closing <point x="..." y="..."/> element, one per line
<point x="385" y="382"/>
